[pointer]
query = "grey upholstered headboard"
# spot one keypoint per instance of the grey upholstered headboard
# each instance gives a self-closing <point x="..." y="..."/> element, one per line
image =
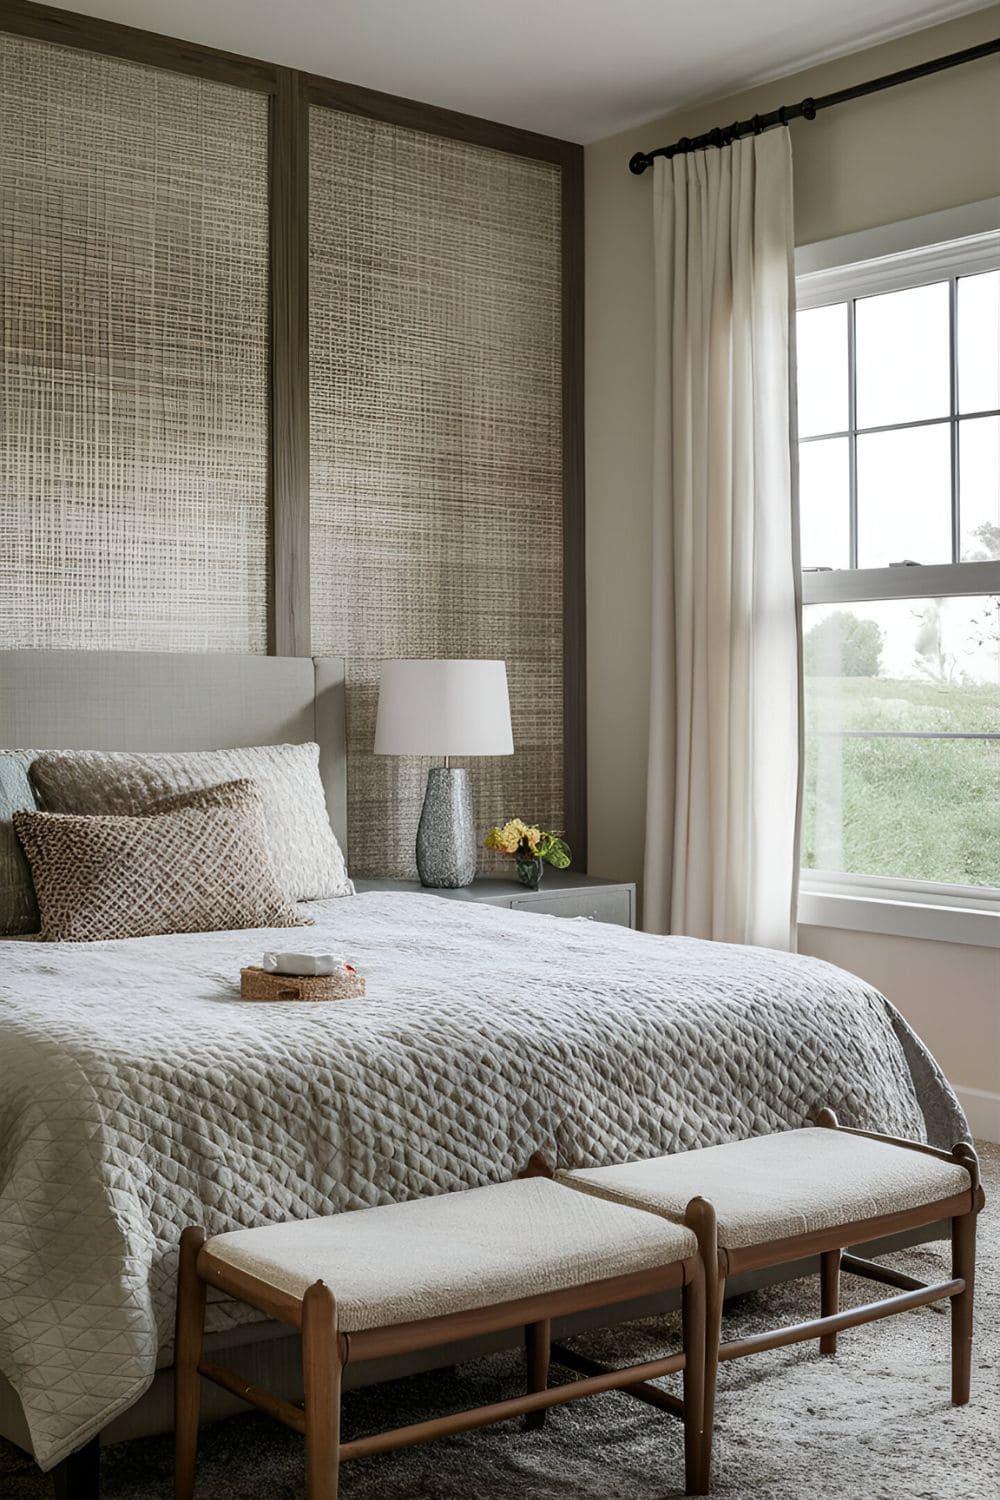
<point x="139" y="700"/>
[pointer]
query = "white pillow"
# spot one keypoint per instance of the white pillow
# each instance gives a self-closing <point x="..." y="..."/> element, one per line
<point x="306" y="857"/>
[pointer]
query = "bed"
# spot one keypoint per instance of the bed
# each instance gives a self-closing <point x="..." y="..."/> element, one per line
<point x="138" y="1093"/>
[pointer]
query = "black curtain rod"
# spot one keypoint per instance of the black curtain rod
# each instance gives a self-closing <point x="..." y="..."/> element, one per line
<point x="807" y="109"/>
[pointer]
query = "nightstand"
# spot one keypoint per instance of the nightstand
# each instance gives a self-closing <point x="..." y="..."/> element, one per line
<point x="562" y="894"/>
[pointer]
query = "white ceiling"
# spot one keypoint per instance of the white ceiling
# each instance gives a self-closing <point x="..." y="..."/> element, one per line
<point x="579" y="69"/>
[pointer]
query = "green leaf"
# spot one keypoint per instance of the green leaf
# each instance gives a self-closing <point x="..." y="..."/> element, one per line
<point x="556" y="852"/>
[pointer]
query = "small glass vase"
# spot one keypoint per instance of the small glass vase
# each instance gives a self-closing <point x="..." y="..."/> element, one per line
<point x="529" y="872"/>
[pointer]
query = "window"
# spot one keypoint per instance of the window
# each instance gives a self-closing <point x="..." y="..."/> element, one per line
<point x="899" y="484"/>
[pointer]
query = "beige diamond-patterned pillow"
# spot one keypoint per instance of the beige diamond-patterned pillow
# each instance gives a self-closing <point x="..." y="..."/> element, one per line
<point x="308" y="862"/>
<point x="197" y="862"/>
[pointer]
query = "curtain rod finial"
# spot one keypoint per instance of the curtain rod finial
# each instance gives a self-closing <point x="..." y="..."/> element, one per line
<point x="638" y="163"/>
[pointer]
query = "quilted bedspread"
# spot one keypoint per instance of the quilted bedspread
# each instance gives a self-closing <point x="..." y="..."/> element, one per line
<point x="139" y="1094"/>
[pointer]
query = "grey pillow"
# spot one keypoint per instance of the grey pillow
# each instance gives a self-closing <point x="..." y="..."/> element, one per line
<point x="18" y="907"/>
<point x="307" y="859"/>
<point x="197" y="862"/>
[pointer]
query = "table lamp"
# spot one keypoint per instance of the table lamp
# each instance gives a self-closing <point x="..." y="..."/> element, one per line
<point x="444" y="708"/>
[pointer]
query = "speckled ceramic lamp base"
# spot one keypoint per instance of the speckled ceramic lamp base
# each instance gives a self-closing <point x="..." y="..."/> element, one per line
<point x="446" y="838"/>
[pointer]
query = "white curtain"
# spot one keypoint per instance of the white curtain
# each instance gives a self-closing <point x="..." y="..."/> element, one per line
<point x="725" y="734"/>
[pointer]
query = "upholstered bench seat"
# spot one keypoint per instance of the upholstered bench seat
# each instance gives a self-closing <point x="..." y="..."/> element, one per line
<point x="394" y="1279"/>
<point x="776" y="1186"/>
<point x="814" y="1191"/>
<point x="435" y="1256"/>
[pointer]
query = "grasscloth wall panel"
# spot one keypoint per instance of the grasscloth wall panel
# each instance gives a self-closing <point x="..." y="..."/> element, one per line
<point x="435" y="440"/>
<point x="133" y="387"/>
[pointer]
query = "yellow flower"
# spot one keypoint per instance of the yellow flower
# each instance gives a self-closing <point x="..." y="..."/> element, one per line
<point x="505" y="839"/>
<point x="514" y="833"/>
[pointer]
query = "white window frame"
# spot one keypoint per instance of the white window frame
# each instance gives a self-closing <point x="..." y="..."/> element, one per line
<point x="934" y="248"/>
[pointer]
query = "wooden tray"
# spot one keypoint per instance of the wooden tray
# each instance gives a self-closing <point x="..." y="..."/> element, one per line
<point x="258" y="984"/>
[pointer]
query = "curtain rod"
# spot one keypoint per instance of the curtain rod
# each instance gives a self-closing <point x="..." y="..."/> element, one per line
<point x="807" y="109"/>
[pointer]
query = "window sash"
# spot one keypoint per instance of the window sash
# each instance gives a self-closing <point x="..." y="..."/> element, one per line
<point x="984" y="898"/>
<point x="883" y="903"/>
<point x="918" y="581"/>
<point x="855" y="892"/>
<point x="816" y="285"/>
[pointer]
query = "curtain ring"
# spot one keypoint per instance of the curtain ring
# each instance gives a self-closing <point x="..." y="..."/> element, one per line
<point x="808" y="108"/>
<point x="758" y="124"/>
<point x="783" y="115"/>
<point x="719" y="137"/>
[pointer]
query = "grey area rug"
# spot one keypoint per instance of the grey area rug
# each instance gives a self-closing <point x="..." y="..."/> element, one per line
<point x="873" y="1423"/>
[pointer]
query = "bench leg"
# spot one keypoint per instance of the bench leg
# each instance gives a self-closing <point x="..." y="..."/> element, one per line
<point x="963" y="1261"/>
<point x="79" y="1476"/>
<point x="697" y="1442"/>
<point x="321" y="1375"/>
<point x="189" y="1331"/>
<point x="715" y="1295"/>
<point x="538" y="1346"/>
<point x="829" y="1294"/>
<point x="701" y="1219"/>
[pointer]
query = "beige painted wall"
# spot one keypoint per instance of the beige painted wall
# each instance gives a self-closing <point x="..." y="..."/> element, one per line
<point x="920" y="148"/>
<point x="950" y="994"/>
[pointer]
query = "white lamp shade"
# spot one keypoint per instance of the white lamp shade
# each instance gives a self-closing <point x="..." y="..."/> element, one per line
<point x="443" y="708"/>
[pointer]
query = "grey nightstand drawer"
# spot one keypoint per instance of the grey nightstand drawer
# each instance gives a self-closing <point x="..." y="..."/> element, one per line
<point x="563" y="894"/>
<point x="600" y="906"/>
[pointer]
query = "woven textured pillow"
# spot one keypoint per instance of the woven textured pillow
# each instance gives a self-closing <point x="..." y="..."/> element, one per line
<point x="18" y="908"/>
<point x="307" y="859"/>
<point x="197" y="862"/>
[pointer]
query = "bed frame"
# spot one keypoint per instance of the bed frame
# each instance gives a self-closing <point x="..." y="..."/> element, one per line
<point x="123" y="700"/>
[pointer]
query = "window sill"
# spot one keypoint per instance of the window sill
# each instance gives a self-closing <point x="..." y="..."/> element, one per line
<point x="978" y="926"/>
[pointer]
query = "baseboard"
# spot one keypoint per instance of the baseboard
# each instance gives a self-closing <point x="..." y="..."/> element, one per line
<point x="982" y="1110"/>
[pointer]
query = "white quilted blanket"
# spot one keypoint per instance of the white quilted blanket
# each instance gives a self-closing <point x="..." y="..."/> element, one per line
<point x="139" y="1094"/>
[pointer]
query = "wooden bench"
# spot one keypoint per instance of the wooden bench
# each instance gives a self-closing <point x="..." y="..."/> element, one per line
<point x="408" y="1276"/>
<point x="780" y="1198"/>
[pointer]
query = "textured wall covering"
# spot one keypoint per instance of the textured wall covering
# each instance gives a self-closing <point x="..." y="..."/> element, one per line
<point x="436" y="448"/>
<point x="133" y="396"/>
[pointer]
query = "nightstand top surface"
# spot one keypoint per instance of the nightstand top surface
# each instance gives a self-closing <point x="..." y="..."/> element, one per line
<point x="486" y="886"/>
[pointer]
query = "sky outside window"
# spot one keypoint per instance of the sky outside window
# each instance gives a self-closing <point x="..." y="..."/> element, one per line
<point x="903" y="377"/>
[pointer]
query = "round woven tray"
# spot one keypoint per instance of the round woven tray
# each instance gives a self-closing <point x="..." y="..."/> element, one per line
<point x="258" y="984"/>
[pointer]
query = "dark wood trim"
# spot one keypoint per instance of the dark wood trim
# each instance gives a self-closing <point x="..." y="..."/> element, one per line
<point x="412" y="115"/>
<point x="290" y="625"/>
<point x="67" y="28"/>
<point x="574" y="517"/>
